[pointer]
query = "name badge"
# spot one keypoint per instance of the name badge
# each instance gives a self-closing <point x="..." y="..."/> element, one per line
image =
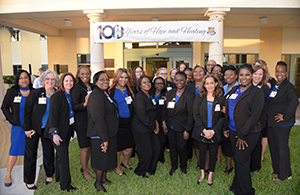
<point x="233" y="96"/>
<point x="273" y="94"/>
<point x="42" y="100"/>
<point x="169" y="88"/>
<point x="171" y="105"/>
<point x="17" y="99"/>
<point x="128" y="99"/>
<point x="72" y="120"/>
<point x="161" y="102"/>
<point x="153" y="102"/>
<point x="217" y="108"/>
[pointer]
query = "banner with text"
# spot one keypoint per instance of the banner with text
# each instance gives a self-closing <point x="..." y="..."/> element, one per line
<point x="181" y="31"/>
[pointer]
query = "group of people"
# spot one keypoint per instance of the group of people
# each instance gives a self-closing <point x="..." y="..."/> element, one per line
<point x="204" y="108"/>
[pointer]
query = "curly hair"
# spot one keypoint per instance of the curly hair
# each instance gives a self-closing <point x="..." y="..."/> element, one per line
<point x="218" y="89"/>
<point x="44" y="75"/>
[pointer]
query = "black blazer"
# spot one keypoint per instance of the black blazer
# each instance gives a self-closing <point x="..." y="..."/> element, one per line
<point x="159" y="108"/>
<point x="263" y="117"/>
<point x="191" y="88"/>
<point x="182" y="114"/>
<point x="143" y="120"/>
<point x="200" y="117"/>
<point x="112" y="94"/>
<point x="170" y="84"/>
<point x="285" y="102"/>
<point x="78" y="93"/>
<point x="247" y="111"/>
<point x="34" y="111"/>
<point x="59" y="116"/>
<point x="9" y="108"/>
<point x="102" y="116"/>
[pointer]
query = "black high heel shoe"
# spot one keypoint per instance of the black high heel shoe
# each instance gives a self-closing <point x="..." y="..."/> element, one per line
<point x="130" y="167"/>
<point x="228" y="171"/>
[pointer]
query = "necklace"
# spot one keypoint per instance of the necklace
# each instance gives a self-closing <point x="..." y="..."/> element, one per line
<point x="49" y="94"/>
<point x="179" y="93"/>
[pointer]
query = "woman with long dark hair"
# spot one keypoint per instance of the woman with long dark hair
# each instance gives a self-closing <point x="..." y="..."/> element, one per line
<point x="209" y="122"/>
<point x="136" y="73"/>
<point x="122" y="93"/>
<point x="13" y="108"/>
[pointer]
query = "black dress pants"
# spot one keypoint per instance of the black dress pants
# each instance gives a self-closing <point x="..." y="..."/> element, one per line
<point x="255" y="164"/>
<point x="177" y="146"/>
<point x="148" y="149"/>
<point x="31" y="146"/>
<point x="162" y="141"/>
<point x="213" y="150"/>
<point x="278" y="138"/>
<point x="62" y="172"/>
<point x="242" y="183"/>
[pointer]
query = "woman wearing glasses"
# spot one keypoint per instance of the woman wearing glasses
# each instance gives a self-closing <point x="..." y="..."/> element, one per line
<point x="36" y="116"/>
<point x="209" y="121"/>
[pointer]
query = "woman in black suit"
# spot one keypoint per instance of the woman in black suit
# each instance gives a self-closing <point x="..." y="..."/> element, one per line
<point x="122" y="93"/>
<point x="145" y="128"/>
<point x="178" y="121"/>
<point x="194" y="87"/>
<point x="36" y="117"/>
<point x="13" y="108"/>
<point x="80" y="95"/>
<point x="102" y="129"/>
<point x="259" y="79"/>
<point x="282" y="105"/>
<point x="159" y="93"/>
<point x="61" y="129"/>
<point x="209" y="122"/>
<point x="243" y="110"/>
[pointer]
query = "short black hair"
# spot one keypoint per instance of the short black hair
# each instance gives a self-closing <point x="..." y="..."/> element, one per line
<point x="281" y="63"/>
<point x="218" y="65"/>
<point x="181" y="73"/>
<point x="187" y="68"/>
<point x="230" y="67"/>
<point x="246" y="66"/>
<point x="97" y="75"/>
<point x="17" y="78"/>
<point x="156" y="78"/>
<point x="138" y="88"/>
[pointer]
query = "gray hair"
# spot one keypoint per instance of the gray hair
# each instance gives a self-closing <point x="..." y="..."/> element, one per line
<point x="43" y="77"/>
<point x="160" y="69"/>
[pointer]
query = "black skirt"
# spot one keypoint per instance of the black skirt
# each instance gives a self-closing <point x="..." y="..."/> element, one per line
<point x="81" y="128"/>
<point x="104" y="161"/>
<point x="124" y="136"/>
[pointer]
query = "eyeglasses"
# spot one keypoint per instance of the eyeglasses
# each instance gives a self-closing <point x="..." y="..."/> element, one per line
<point x="217" y="71"/>
<point x="52" y="79"/>
<point x="159" y="83"/>
<point x="101" y="80"/>
<point x="209" y="64"/>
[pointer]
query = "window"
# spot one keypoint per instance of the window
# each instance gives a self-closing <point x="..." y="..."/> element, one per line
<point x="60" y="69"/>
<point x="132" y="64"/>
<point x="235" y="59"/>
<point x="16" y="68"/>
<point x="15" y="36"/>
<point x="83" y="60"/>
<point x="45" y="66"/>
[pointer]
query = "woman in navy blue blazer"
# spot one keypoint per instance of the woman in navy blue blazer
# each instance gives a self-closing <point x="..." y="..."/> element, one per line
<point x="209" y="122"/>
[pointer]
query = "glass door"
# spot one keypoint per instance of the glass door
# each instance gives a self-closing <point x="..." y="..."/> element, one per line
<point x="295" y="73"/>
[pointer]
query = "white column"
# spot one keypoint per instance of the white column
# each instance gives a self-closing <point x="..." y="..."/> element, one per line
<point x="216" y="48"/>
<point x="1" y="89"/>
<point x="96" y="49"/>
